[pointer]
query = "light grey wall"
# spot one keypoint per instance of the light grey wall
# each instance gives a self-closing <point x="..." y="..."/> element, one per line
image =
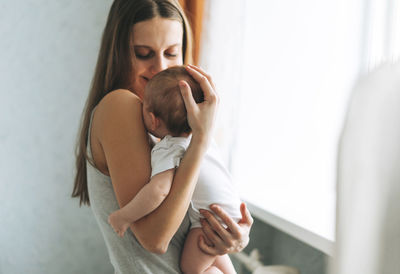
<point x="48" y="51"/>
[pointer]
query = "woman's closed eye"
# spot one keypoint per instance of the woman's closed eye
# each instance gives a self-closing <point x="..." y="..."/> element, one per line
<point x="148" y="55"/>
<point x="171" y="54"/>
<point x="144" y="56"/>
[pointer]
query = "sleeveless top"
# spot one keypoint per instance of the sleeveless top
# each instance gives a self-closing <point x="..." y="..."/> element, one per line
<point x="126" y="254"/>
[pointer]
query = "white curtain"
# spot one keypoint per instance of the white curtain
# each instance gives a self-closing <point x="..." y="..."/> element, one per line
<point x="284" y="71"/>
<point x="368" y="207"/>
<point x="381" y="35"/>
<point x="221" y="56"/>
<point x="368" y="219"/>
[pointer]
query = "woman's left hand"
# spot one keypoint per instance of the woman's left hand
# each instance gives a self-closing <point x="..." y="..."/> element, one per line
<point x="224" y="240"/>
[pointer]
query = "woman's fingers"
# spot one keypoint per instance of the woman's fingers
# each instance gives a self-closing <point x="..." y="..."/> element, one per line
<point x="204" y="73"/>
<point x="245" y="226"/>
<point x="232" y="225"/>
<point x="200" y="116"/>
<point x="208" y="90"/>
<point x="208" y="249"/>
<point x="210" y="233"/>
<point x="212" y="244"/>
<point x="246" y="217"/>
<point x="187" y="96"/>
<point x="211" y="250"/>
<point x="216" y="226"/>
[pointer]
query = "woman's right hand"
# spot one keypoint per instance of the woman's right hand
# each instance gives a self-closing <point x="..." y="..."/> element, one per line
<point x="200" y="116"/>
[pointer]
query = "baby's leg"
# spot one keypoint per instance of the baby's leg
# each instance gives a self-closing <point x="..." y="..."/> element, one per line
<point x="194" y="260"/>
<point x="224" y="264"/>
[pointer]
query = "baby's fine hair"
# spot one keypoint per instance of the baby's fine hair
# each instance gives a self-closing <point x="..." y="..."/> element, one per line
<point x="163" y="98"/>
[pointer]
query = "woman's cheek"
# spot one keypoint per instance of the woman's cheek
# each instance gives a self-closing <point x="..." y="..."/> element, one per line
<point x="178" y="61"/>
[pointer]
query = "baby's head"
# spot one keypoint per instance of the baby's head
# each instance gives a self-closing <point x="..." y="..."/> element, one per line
<point x="164" y="111"/>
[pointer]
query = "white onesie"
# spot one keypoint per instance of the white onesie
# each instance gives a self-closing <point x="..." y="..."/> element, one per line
<point x="214" y="185"/>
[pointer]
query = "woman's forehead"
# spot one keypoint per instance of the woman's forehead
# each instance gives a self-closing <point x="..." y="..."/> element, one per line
<point x="158" y="33"/>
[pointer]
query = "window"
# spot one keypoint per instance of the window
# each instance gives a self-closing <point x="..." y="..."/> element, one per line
<point x="284" y="71"/>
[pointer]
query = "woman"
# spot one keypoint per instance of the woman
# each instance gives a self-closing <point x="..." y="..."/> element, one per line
<point x="141" y="38"/>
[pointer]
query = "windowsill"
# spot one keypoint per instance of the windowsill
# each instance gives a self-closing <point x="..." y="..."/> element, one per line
<point x="317" y="231"/>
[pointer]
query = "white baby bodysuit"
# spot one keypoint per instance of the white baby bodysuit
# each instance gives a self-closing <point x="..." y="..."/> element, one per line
<point x="214" y="185"/>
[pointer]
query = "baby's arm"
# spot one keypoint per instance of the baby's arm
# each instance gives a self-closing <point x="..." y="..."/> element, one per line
<point x="145" y="201"/>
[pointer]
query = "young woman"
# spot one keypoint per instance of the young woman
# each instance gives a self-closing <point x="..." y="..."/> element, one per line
<point x="142" y="38"/>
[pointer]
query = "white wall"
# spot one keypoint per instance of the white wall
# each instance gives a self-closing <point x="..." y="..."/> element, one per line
<point x="48" y="51"/>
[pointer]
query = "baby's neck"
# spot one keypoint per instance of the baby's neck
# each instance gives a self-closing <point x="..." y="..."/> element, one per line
<point x="174" y="135"/>
<point x="162" y="131"/>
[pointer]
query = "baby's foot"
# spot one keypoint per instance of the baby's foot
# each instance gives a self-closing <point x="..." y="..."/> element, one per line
<point x="118" y="223"/>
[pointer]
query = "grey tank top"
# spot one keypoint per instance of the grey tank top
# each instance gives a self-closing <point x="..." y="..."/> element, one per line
<point x="126" y="254"/>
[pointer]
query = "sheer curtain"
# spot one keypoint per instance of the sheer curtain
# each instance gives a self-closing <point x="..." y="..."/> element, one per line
<point x="368" y="223"/>
<point x="222" y="57"/>
<point x="368" y="210"/>
<point x="284" y="71"/>
<point x="381" y="35"/>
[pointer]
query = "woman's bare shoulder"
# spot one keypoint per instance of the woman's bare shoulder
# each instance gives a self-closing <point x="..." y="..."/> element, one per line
<point x="119" y="104"/>
<point x="119" y="98"/>
<point x="119" y="116"/>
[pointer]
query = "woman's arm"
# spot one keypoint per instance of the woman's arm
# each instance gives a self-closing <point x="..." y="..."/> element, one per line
<point x="124" y="141"/>
<point x="123" y="138"/>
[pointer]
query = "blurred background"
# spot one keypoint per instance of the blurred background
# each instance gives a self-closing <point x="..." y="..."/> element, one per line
<point x="284" y="71"/>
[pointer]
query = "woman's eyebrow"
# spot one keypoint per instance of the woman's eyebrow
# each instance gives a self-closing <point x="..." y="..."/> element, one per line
<point x="148" y="47"/>
<point x="142" y="46"/>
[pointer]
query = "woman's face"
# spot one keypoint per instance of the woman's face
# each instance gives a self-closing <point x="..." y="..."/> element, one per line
<point x="157" y="44"/>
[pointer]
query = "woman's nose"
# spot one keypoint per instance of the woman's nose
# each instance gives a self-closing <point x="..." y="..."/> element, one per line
<point x="159" y="64"/>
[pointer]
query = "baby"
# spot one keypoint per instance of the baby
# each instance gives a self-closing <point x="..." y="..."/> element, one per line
<point x="164" y="116"/>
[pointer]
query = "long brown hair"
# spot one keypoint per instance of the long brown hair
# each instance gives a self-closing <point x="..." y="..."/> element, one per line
<point x="115" y="66"/>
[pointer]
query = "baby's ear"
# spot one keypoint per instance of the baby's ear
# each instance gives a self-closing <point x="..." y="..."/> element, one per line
<point x="155" y="121"/>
